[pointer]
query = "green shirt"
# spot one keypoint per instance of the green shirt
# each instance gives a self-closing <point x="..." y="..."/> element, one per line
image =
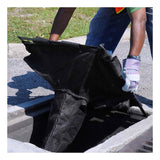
<point x="132" y="9"/>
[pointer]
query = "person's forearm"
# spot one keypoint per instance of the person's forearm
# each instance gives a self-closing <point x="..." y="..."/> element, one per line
<point x="60" y="22"/>
<point x="138" y="23"/>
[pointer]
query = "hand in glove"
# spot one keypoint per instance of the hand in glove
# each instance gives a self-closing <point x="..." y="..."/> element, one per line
<point x="131" y="74"/>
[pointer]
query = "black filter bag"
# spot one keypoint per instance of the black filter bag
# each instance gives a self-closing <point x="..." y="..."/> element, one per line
<point x="65" y="120"/>
<point x="83" y="77"/>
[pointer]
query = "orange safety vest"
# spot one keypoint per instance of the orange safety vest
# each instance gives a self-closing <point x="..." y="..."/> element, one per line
<point x="119" y="9"/>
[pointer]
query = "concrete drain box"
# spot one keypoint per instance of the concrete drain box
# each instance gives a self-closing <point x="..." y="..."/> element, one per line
<point x="100" y="132"/>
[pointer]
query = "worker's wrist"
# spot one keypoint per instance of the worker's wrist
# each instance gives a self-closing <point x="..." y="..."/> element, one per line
<point x="134" y="57"/>
<point x="54" y="37"/>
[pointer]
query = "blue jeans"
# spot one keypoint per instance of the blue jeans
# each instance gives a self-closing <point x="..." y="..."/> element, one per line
<point x="107" y="28"/>
<point x="149" y="27"/>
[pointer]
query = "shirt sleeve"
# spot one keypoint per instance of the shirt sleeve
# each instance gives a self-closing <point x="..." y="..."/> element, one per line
<point x="133" y="9"/>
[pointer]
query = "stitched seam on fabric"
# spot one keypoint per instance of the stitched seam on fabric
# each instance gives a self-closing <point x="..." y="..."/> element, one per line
<point x="71" y="93"/>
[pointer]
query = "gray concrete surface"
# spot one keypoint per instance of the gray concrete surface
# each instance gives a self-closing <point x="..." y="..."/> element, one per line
<point x="25" y="85"/>
<point x="15" y="146"/>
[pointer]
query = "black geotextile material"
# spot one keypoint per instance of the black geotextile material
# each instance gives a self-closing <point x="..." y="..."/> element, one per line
<point x="83" y="77"/>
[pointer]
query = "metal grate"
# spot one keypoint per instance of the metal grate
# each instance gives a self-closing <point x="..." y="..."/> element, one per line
<point x="142" y="144"/>
<point x="146" y="147"/>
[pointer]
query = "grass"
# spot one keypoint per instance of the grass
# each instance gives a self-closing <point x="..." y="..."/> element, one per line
<point x="32" y="22"/>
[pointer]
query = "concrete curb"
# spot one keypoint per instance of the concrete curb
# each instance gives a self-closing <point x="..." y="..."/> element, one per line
<point x="17" y="50"/>
<point x="21" y="117"/>
<point x="20" y="109"/>
<point x="15" y="146"/>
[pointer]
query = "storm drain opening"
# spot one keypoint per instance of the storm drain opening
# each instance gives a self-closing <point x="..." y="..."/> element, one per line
<point x="97" y="127"/>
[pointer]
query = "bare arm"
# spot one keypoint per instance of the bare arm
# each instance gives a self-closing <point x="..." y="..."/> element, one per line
<point x="138" y="23"/>
<point x="131" y="64"/>
<point x="60" y="22"/>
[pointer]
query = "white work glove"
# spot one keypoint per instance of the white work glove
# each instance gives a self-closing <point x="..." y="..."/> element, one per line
<point x="131" y="74"/>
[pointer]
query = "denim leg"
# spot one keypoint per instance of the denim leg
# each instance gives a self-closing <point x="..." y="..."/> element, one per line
<point x="107" y="28"/>
<point x="149" y="27"/>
